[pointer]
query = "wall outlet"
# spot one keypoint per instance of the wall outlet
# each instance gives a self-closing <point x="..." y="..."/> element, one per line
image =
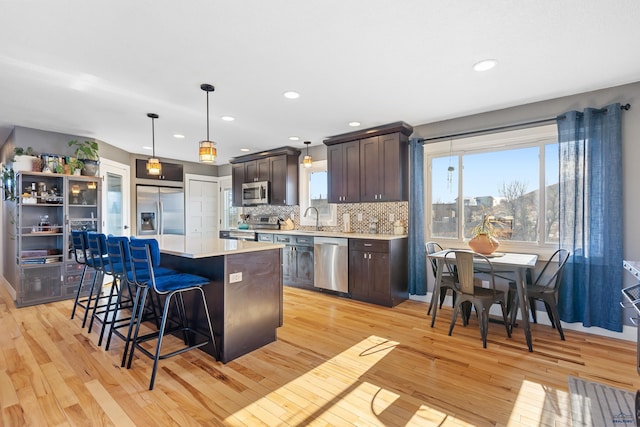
<point x="292" y="215"/>
<point x="485" y="284"/>
<point x="359" y="216"/>
<point x="235" y="277"/>
<point x="392" y="217"/>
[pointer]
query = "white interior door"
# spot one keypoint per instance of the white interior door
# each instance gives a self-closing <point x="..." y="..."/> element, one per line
<point x="116" y="198"/>
<point x="201" y="206"/>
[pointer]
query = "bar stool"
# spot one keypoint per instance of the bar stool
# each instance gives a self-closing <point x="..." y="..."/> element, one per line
<point x="97" y="244"/>
<point x="120" y="262"/>
<point x="81" y="254"/>
<point x="143" y="265"/>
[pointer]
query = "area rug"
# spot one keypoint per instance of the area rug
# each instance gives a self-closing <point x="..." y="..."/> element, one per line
<point x="599" y="405"/>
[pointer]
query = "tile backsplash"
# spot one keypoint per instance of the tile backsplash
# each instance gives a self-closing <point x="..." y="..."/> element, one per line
<point x="381" y="211"/>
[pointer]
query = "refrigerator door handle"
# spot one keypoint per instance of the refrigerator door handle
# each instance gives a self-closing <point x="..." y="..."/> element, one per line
<point x="160" y="208"/>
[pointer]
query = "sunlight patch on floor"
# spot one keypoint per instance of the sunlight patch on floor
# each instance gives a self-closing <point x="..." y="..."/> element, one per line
<point x="551" y="406"/>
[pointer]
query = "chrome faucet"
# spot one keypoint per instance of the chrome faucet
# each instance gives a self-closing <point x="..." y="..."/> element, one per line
<point x="317" y="216"/>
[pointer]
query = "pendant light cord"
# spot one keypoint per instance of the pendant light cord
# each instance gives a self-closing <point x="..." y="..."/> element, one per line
<point x="153" y="137"/>
<point x="208" y="116"/>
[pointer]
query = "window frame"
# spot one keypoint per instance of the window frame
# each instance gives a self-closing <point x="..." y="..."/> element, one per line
<point x="330" y="220"/>
<point x="538" y="136"/>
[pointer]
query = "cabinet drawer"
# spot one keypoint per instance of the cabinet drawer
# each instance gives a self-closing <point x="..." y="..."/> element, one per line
<point x="265" y="238"/>
<point x="369" y="245"/>
<point x="283" y="239"/>
<point x="303" y="240"/>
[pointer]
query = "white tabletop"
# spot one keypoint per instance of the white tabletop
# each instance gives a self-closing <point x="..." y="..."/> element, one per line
<point x="194" y="247"/>
<point x="505" y="259"/>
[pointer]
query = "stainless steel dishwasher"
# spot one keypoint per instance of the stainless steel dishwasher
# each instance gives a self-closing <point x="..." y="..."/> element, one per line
<point x="331" y="261"/>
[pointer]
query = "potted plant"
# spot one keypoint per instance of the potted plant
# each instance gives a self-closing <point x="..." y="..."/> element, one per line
<point x="76" y="165"/>
<point x="483" y="240"/>
<point x="8" y="183"/>
<point x="87" y="153"/>
<point x="24" y="159"/>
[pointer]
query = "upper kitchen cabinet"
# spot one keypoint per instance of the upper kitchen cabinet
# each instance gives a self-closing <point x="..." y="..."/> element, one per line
<point x="369" y="165"/>
<point x="278" y="166"/>
<point x="343" y="165"/>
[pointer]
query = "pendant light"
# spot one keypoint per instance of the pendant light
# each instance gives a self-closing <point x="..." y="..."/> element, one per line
<point x="207" y="151"/>
<point x="308" y="161"/>
<point x="153" y="164"/>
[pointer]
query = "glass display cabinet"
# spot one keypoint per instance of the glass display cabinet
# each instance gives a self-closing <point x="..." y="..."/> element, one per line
<point x="48" y="208"/>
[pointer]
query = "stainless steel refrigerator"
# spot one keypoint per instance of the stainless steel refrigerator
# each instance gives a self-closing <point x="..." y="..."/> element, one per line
<point x="160" y="210"/>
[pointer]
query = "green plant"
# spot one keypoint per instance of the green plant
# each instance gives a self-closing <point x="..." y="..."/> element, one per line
<point x="75" y="163"/>
<point x="489" y="226"/>
<point x="19" y="151"/>
<point x="87" y="150"/>
<point x="8" y="183"/>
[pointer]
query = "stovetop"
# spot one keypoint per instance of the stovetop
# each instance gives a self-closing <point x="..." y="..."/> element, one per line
<point x="263" y="222"/>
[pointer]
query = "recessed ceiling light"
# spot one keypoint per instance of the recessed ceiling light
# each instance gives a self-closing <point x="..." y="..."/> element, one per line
<point x="354" y="124"/>
<point x="244" y="149"/>
<point x="228" y="118"/>
<point x="294" y="138"/>
<point x="177" y="135"/>
<point x="291" y="95"/>
<point x="146" y="147"/>
<point x="485" y="64"/>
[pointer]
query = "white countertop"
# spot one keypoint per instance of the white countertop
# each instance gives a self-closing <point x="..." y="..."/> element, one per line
<point x="192" y="247"/>
<point x="334" y="234"/>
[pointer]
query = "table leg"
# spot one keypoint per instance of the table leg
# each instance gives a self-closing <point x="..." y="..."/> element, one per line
<point x="435" y="296"/>
<point x="521" y="286"/>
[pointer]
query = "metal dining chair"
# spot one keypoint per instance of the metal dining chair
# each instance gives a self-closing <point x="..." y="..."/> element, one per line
<point x="544" y="288"/>
<point x="461" y="262"/>
<point x="447" y="282"/>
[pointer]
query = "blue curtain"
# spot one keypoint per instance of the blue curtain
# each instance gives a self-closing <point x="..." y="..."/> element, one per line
<point x="417" y="261"/>
<point x="591" y="216"/>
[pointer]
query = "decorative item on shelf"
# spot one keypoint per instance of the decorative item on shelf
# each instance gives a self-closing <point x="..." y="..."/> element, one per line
<point x="8" y="184"/>
<point x="91" y="185"/>
<point x="75" y="165"/>
<point x="154" y="167"/>
<point x="26" y="159"/>
<point x="307" y="161"/>
<point x="207" y="151"/>
<point x="483" y="240"/>
<point x="87" y="153"/>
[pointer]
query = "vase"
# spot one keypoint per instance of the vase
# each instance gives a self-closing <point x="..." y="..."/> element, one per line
<point x="484" y="244"/>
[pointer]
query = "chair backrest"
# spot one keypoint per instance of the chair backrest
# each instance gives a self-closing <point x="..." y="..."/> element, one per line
<point x="431" y="248"/>
<point x="79" y="245"/>
<point x="551" y="275"/>
<point x="460" y="263"/>
<point x="118" y="254"/>
<point x="145" y="256"/>
<point x="97" y="248"/>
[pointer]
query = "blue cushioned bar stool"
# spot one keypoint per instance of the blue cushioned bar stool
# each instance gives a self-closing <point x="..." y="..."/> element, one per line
<point x="143" y="264"/>
<point x="98" y="252"/>
<point x="120" y="262"/>
<point x="82" y="255"/>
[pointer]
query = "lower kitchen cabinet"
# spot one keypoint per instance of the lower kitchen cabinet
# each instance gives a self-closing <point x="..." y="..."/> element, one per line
<point x="378" y="271"/>
<point x="297" y="260"/>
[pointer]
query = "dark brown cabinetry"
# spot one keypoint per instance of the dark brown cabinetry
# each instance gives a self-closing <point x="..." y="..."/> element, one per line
<point x="378" y="271"/>
<point x="279" y="166"/>
<point x="383" y="168"/>
<point x="343" y="162"/>
<point x="170" y="171"/>
<point x="369" y="165"/>
<point x="297" y="260"/>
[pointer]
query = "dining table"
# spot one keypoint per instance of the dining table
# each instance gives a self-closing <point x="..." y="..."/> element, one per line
<point x="504" y="263"/>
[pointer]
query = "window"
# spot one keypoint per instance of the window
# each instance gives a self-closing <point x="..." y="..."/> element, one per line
<point x="229" y="215"/>
<point x="512" y="177"/>
<point x="314" y="193"/>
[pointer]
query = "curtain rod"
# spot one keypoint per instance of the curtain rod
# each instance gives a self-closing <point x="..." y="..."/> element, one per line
<point x="624" y="107"/>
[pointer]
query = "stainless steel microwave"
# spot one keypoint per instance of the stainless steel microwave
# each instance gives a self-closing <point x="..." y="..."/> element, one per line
<point x="256" y="193"/>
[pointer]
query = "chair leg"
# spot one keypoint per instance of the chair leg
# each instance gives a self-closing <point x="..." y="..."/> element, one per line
<point x="550" y="301"/>
<point x="137" y="320"/>
<point x="443" y="295"/>
<point x="111" y="309"/>
<point x="75" y="302"/>
<point x="97" y="278"/>
<point x="507" y="324"/>
<point x="454" y="316"/>
<point x="484" y="325"/>
<point x="163" y="324"/>
<point x="532" y="305"/>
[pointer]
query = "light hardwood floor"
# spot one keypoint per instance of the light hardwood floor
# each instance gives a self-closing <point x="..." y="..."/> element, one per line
<point x="336" y="362"/>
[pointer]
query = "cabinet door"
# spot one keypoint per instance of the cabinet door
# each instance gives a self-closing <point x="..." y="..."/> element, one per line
<point x="370" y="171"/>
<point x="288" y="265"/>
<point x="263" y="170"/>
<point x="343" y="165"/>
<point x="335" y="175"/>
<point x="379" y="286"/>
<point x="237" y="179"/>
<point x="304" y="265"/>
<point x="278" y="166"/>
<point x="250" y="171"/>
<point x="392" y="167"/>
<point x="358" y="274"/>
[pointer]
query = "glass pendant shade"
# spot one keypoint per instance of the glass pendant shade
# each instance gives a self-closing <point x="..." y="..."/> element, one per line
<point x="308" y="161"/>
<point x="207" y="151"/>
<point x="153" y="166"/>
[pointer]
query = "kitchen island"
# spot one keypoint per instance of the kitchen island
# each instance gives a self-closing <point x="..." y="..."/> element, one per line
<point x="244" y="296"/>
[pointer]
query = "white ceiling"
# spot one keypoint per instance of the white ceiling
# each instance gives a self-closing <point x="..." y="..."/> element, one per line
<point x="95" y="68"/>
